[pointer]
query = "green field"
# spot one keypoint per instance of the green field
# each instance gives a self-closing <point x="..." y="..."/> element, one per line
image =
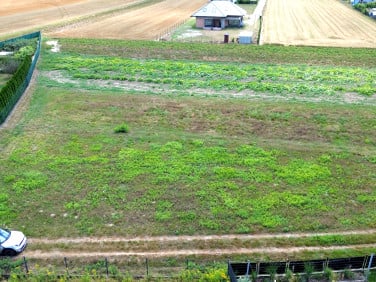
<point x="221" y="139"/>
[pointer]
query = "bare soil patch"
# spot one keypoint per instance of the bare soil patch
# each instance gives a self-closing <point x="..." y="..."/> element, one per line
<point x="316" y="23"/>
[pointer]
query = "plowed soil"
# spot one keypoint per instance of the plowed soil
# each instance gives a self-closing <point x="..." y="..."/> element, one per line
<point x="316" y="23"/>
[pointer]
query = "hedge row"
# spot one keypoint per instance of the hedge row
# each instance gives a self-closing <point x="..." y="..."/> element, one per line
<point x="14" y="88"/>
<point x="363" y="7"/>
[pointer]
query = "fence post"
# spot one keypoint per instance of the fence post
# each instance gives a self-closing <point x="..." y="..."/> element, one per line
<point x="147" y="267"/>
<point x="369" y="266"/>
<point x="66" y="266"/>
<point x="106" y="263"/>
<point x="26" y="266"/>
<point x="247" y="274"/>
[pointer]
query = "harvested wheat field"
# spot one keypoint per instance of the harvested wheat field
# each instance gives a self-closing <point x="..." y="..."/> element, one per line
<point x="29" y="15"/>
<point x="316" y="23"/>
<point x="145" y="23"/>
<point x="94" y="18"/>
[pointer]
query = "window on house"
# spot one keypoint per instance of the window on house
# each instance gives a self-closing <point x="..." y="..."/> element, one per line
<point x="208" y="22"/>
<point x="234" y="23"/>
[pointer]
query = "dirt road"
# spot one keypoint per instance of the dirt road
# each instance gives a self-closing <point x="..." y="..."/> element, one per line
<point x="316" y="23"/>
<point x="164" y="246"/>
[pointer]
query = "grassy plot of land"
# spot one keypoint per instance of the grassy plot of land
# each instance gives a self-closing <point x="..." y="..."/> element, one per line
<point x="268" y="54"/>
<point x="188" y="164"/>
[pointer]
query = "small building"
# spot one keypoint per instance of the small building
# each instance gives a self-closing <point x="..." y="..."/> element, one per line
<point x="219" y="15"/>
<point x="245" y="37"/>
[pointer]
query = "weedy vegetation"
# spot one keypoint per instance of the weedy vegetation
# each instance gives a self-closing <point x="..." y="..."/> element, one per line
<point x="237" y="140"/>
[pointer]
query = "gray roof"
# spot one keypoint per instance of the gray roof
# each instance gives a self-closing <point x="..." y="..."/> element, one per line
<point x="220" y="9"/>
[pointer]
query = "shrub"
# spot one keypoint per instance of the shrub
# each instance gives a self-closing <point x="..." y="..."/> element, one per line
<point x="272" y="271"/>
<point x="8" y="265"/>
<point x="14" y="46"/>
<point x="24" y="52"/>
<point x="289" y="276"/>
<point x="348" y="274"/>
<point x="122" y="128"/>
<point x="329" y="274"/>
<point x="308" y="270"/>
<point x="361" y="8"/>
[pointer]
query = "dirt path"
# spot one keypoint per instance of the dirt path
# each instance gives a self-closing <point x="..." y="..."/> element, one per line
<point x="316" y="23"/>
<point x="185" y="252"/>
<point x="49" y="248"/>
<point x="197" y="237"/>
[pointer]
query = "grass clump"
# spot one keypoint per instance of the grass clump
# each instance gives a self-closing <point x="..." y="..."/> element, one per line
<point x="122" y="128"/>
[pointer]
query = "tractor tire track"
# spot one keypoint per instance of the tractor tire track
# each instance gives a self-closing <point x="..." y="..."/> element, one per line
<point x="189" y="252"/>
<point x="52" y="251"/>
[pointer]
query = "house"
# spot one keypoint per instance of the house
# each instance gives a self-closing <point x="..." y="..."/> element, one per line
<point x="219" y="14"/>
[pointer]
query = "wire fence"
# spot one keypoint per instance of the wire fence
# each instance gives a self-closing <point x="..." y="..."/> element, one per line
<point x="132" y="268"/>
<point x="167" y="33"/>
<point x="243" y="270"/>
<point x="174" y="269"/>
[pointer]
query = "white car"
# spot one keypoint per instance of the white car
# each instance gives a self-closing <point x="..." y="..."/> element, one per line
<point x="12" y="242"/>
